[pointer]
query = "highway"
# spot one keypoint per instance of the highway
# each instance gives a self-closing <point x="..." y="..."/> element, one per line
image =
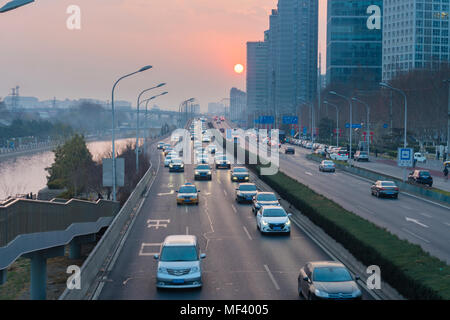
<point x="240" y="263"/>
<point x="419" y="221"/>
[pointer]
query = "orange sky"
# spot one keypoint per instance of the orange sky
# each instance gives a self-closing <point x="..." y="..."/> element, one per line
<point x="192" y="44"/>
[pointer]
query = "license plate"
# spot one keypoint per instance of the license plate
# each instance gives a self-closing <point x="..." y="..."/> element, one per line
<point x="277" y="228"/>
<point x="389" y="193"/>
<point x="187" y="200"/>
<point x="178" y="281"/>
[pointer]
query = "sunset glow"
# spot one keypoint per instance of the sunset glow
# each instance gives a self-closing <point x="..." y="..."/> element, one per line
<point x="239" y="68"/>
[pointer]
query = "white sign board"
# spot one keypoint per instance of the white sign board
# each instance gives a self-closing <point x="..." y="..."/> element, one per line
<point x="405" y="157"/>
<point x="107" y="172"/>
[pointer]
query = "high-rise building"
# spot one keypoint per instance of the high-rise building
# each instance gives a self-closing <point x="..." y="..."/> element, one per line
<point x="292" y="42"/>
<point x="354" y="51"/>
<point x="216" y="108"/>
<point x="415" y="35"/>
<point x="238" y="103"/>
<point x="257" y="63"/>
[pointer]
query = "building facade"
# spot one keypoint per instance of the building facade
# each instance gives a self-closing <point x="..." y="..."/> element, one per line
<point x="238" y="103"/>
<point x="415" y="35"/>
<point x="257" y="94"/>
<point x="354" y="51"/>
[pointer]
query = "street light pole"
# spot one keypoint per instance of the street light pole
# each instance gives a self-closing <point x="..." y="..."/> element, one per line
<point x="448" y="121"/>
<point x="146" y="111"/>
<point x="383" y="84"/>
<point x="337" y="120"/>
<point x="368" y="121"/>
<point x="14" y="4"/>
<point x="137" y="122"/>
<point x="113" y="127"/>
<point x="351" y="118"/>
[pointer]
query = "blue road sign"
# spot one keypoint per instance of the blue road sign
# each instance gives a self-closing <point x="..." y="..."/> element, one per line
<point x="354" y="126"/>
<point x="385" y="126"/>
<point x="290" y="120"/>
<point x="305" y="130"/>
<point x="266" y="120"/>
<point x="405" y="157"/>
<point x="292" y="132"/>
<point x="228" y="133"/>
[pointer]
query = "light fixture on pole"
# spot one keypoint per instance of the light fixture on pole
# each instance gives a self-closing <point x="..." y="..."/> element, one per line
<point x="137" y="122"/>
<point x="146" y="110"/>
<point x="368" y="122"/>
<point x="113" y="127"/>
<point x="351" y="118"/>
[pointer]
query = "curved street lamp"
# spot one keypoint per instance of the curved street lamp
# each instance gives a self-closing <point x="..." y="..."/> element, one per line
<point x="351" y="119"/>
<point x="337" y="120"/>
<point x="137" y="122"/>
<point x="146" y="109"/>
<point x="368" y="122"/>
<point x="113" y="126"/>
<point x="14" y="4"/>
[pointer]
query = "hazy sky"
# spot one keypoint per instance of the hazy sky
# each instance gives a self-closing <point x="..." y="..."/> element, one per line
<point x="193" y="45"/>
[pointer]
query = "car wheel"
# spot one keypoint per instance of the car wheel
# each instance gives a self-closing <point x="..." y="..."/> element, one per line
<point x="396" y="196"/>
<point x="378" y="194"/>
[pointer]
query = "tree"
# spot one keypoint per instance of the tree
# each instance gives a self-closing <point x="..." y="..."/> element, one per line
<point x="73" y="168"/>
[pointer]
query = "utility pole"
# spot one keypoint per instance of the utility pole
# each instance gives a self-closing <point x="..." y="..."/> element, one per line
<point x="448" y="122"/>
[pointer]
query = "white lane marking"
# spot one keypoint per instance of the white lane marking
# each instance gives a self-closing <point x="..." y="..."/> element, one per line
<point x="416" y="222"/>
<point x="415" y="235"/>
<point x="166" y="194"/>
<point x="156" y="246"/>
<point x="234" y="208"/>
<point x="308" y="173"/>
<point x="161" y="223"/>
<point x="225" y="191"/>
<point x="271" y="277"/>
<point x="248" y="234"/>
<point x="405" y="207"/>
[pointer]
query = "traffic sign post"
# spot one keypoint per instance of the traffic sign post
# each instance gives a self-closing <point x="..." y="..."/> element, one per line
<point x="405" y="159"/>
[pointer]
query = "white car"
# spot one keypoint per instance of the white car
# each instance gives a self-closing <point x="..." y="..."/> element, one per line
<point x="271" y="219"/>
<point x="419" y="157"/>
<point x="168" y="160"/>
<point x="339" y="156"/>
<point x="206" y="139"/>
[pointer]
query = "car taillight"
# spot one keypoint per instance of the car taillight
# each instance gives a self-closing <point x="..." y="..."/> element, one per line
<point x="396" y="189"/>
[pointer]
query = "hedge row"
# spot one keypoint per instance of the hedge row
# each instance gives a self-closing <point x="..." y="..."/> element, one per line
<point x="405" y="266"/>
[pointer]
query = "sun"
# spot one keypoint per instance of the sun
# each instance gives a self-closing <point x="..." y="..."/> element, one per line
<point x="239" y="68"/>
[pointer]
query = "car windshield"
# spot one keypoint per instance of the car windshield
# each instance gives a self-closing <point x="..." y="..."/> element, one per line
<point x="267" y="197"/>
<point x="331" y="274"/>
<point x="388" y="184"/>
<point x="328" y="163"/>
<point x="176" y="161"/>
<point x="179" y="253"/>
<point x="188" y="189"/>
<point x="424" y="173"/>
<point x="274" y="213"/>
<point x="205" y="167"/>
<point x="240" y="170"/>
<point x="247" y="187"/>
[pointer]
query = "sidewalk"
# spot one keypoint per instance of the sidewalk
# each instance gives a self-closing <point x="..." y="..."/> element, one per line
<point x="390" y="167"/>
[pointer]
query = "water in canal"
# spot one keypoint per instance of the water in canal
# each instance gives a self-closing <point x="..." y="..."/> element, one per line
<point x="25" y="174"/>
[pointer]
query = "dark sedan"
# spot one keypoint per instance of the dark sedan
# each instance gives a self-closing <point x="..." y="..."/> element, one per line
<point x="384" y="189"/>
<point x="327" y="280"/>
<point x="203" y="171"/>
<point x="289" y="150"/>
<point x="176" y="165"/>
<point x="264" y="199"/>
<point x="246" y="192"/>
<point x="421" y="177"/>
<point x="239" y="174"/>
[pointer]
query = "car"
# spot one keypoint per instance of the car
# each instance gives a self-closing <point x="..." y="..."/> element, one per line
<point x="273" y="219"/>
<point x="206" y="138"/>
<point x="361" y="156"/>
<point x="222" y="130"/>
<point x="166" y="145"/>
<point x="421" y="177"/>
<point x="168" y="160"/>
<point x="327" y="165"/>
<point x="239" y="174"/>
<point x="341" y="156"/>
<point x="419" y="157"/>
<point x="309" y="145"/>
<point x="167" y="150"/>
<point x="222" y="162"/>
<point x="160" y="145"/>
<point x="197" y="144"/>
<point x="176" y="165"/>
<point x="179" y="263"/>
<point x="289" y="150"/>
<point x="264" y="199"/>
<point x="384" y="188"/>
<point x="246" y="192"/>
<point x="327" y="280"/>
<point x="188" y="193"/>
<point x="202" y="171"/>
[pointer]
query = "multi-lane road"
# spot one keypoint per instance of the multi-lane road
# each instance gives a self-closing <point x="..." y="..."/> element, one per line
<point x="240" y="263"/>
<point x="419" y="221"/>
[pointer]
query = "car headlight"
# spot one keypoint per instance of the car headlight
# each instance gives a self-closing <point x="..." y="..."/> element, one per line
<point x="246" y="178"/>
<point x="228" y="161"/>
<point x="288" y="223"/>
<point x="171" y="165"/>
<point x="356" y="293"/>
<point x="197" y="173"/>
<point x="162" y="270"/>
<point x="264" y="222"/>
<point x="321" y="294"/>
<point x="182" y="165"/>
<point x="209" y="173"/>
<point x="195" y="269"/>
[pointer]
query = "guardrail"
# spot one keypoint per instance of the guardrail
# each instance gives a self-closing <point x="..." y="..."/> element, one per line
<point x="103" y="252"/>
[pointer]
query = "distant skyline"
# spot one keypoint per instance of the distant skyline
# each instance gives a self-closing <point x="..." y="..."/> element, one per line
<point x="193" y="45"/>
